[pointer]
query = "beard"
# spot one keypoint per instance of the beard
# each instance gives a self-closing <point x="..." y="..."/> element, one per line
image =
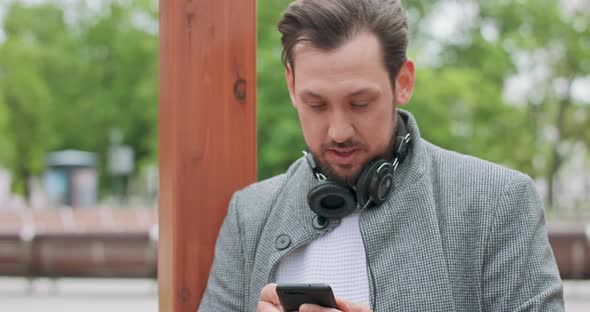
<point x="332" y="175"/>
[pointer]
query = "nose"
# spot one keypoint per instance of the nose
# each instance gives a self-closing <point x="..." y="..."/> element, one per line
<point x="341" y="130"/>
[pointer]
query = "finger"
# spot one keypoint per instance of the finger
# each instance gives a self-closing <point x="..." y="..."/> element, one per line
<point x="269" y="294"/>
<point x="344" y="304"/>
<point x="264" y="306"/>
<point x="315" y="308"/>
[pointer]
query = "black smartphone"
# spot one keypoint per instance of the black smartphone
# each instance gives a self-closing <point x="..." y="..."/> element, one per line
<point x="292" y="296"/>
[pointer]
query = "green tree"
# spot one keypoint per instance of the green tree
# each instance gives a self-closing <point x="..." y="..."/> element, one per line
<point x="549" y="45"/>
<point x="459" y="99"/>
<point x="26" y="98"/>
<point x="279" y="135"/>
<point x="67" y="84"/>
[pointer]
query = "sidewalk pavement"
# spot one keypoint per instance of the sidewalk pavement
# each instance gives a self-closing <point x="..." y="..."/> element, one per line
<point x="141" y="295"/>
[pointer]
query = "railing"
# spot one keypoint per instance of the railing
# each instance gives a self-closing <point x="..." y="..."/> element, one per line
<point x="83" y="243"/>
<point x="123" y="243"/>
<point x="571" y="246"/>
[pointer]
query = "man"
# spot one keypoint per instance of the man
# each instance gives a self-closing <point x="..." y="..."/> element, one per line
<point x="398" y="224"/>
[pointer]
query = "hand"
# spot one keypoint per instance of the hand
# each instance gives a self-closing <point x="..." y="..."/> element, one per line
<point x="269" y="302"/>
<point x="343" y="305"/>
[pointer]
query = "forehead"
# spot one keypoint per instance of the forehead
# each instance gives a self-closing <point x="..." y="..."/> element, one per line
<point x="356" y="63"/>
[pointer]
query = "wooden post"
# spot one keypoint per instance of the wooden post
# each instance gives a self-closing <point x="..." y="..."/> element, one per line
<point x="207" y="135"/>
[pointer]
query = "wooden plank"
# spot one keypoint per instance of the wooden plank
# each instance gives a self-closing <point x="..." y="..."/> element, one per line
<point x="207" y="134"/>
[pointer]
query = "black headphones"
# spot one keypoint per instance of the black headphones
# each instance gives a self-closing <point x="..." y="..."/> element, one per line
<point x="373" y="185"/>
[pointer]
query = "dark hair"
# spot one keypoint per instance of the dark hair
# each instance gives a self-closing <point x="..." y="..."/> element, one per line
<point x="328" y="24"/>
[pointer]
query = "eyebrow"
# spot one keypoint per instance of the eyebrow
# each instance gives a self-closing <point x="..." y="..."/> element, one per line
<point x="309" y="93"/>
<point x="363" y="90"/>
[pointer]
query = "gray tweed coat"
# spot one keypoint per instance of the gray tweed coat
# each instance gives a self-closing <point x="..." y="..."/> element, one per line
<point x="457" y="234"/>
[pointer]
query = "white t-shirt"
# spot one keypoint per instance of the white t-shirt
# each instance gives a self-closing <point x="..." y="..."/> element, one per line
<point x="337" y="259"/>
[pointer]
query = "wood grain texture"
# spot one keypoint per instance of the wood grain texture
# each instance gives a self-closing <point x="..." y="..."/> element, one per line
<point x="207" y="134"/>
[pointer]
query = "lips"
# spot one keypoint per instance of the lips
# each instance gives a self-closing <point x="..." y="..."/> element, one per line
<point x="343" y="156"/>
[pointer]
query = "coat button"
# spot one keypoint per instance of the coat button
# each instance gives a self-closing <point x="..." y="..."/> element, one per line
<point x="283" y="241"/>
<point x="319" y="222"/>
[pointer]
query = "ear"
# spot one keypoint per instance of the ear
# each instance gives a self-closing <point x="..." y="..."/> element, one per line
<point x="404" y="83"/>
<point x="290" y="78"/>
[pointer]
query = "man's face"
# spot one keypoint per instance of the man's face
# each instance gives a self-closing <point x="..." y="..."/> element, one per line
<point x="345" y="103"/>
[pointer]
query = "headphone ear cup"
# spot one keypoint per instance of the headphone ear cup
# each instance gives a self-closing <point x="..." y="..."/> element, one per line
<point x="374" y="184"/>
<point x="363" y="184"/>
<point x="331" y="200"/>
<point x="381" y="184"/>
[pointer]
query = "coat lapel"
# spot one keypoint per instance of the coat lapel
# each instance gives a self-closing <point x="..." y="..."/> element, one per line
<point x="405" y="252"/>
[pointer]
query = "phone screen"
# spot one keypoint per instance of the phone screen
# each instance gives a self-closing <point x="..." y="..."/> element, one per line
<point x="292" y="296"/>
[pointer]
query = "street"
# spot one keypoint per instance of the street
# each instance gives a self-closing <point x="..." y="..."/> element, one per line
<point x="129" y="295"/>
<point x="88" y="295"/>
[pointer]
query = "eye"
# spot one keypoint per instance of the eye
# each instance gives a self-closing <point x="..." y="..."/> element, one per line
<point x="359" y="104"/>
<point x="316" y="105"/>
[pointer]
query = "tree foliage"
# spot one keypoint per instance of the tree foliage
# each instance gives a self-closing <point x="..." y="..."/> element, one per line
<point x="67" y="82"/>
<point x="462" y="100"/>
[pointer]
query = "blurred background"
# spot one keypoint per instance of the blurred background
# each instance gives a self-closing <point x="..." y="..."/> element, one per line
<point x="507" y="81"/>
